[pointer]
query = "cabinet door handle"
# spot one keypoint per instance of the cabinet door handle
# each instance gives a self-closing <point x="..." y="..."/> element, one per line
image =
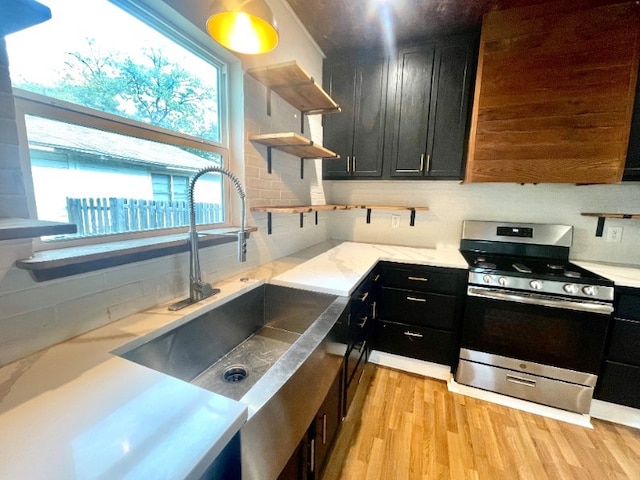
<point x="361" y="347"/>
<point x="348" y="164"/>
<point x="414" y="299"/>
<point x="373" y="310"/>
<point x="422" y="162"/>
<point x="376" y="278"/>
<point x="428" y="169"/>
<point x="324" y="429"/>
<point x="418" y="279"/>
<point x="364" y="297"/>
<point x="364" y="321"/>
<point x="354" y="163"/>
<point x="413" y="334"/>
<point x="313" y="455"/>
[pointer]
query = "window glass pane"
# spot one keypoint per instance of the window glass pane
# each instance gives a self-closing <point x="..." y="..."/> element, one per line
<point x="105" y="182"/>
<point x="96" y="55"/>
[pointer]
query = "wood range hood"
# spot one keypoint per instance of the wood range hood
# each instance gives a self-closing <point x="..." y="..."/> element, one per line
<point x="554" y="93"/>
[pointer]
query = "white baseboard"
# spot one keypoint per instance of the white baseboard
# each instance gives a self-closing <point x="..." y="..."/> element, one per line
<point x="411" y="365"/>
<point x="615" y="413"/>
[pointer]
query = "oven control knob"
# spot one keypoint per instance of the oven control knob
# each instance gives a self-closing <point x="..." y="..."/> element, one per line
<point x="571" y="288"/>
<point x="502" y="281"/>
<point x="535" y="284"/>
<point x="590" y="290"/>
<point x="487" y="279"/>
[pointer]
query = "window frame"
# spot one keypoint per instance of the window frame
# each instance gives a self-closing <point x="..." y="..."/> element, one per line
<point x="30" y="103"/>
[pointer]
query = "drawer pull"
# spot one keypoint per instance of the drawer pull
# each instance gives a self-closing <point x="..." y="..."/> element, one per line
<point x="413" y="334"/>
<point x="521" y="381"/>
<point x="414" y="299"/>
<point x="364" y="322"/>
<point x="364" y="297"/>
<point x="361" y="347"/>
<point x="419" y="279"/>
<point x="376" y="278"/>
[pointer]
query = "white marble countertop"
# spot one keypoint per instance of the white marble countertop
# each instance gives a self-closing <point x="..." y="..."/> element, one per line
<point x="340" y="270"/>
<point x="621" y="275"/>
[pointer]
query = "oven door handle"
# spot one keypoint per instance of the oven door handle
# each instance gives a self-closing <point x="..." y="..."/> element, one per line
<point x="533" y="299"/>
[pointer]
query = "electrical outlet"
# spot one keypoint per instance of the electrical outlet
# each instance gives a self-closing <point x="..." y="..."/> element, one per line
<point x="614" y="234"/>
<point x="395" y="221"/>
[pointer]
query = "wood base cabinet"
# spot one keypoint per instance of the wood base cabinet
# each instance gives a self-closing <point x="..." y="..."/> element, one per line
<point x="420" y="311"/>
<point x="619" y="378"/>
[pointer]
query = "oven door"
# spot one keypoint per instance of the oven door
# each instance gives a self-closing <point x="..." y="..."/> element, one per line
<point x="563" y="333"/>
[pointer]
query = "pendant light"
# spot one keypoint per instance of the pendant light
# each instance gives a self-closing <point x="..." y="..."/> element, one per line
<point x="244" y="26"/>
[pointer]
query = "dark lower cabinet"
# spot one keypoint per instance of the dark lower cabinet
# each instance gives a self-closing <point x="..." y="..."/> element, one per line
<point x="420" y="311"/>
<point x="308" y="460"/>
<point x="619" y="378"/>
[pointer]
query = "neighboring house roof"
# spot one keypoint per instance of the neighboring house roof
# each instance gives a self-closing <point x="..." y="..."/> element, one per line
<point x="56" y="134"/>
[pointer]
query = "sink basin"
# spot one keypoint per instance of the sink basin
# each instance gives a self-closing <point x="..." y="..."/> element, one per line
<point x="275" y="349"/>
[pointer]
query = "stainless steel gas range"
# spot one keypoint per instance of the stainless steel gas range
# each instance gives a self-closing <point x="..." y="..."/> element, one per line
<point x="535" y="323"/>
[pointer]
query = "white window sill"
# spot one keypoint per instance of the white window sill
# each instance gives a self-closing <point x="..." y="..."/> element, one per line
<point x="64" y="262"/>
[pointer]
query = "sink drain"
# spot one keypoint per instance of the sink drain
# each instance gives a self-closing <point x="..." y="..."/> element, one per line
<point x="235" y="374"/>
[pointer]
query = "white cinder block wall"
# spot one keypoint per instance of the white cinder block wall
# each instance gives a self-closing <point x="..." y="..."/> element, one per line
<point x="451" y="202"/>
<point x="35" y="315"/>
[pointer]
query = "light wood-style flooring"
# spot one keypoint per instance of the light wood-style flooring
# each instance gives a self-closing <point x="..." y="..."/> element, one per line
<point x="412" y="427"/>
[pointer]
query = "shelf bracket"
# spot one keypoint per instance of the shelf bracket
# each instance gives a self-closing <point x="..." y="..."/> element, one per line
<point x="316" y="212"/>
<point x="600" y="227"/>
<point x="269" y="223"/>
<point x="269" y="159"/>
<point x="302" y="167"/>
<point x="301" y="219"/>
<point x="268" y="101"/>
<point x="368" y="215"/>
<point x="301" y="122"/>
<point x="412" y="221"/>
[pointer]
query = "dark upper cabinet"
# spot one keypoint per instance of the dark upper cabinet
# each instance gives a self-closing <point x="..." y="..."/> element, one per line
<point x="359" y="85"/>
<point x="632" y="166"/>
<point x="430" y="109"/>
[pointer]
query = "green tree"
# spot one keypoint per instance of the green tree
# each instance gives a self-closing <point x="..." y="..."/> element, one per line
<point x="150" y="89"/>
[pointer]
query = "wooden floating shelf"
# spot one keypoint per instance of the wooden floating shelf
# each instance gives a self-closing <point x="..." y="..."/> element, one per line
<point x="602" y="216"/>
<point x="293" y="144"/>
<point x="295" y="86"/>
<point x="302" y="209"/>
<point x="16" y="228"/>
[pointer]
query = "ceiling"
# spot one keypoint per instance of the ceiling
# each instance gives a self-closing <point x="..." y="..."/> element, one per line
<point x="336" y="24"/>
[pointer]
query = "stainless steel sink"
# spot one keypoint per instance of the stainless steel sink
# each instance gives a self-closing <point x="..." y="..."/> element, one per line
<point x="275" y="349"/>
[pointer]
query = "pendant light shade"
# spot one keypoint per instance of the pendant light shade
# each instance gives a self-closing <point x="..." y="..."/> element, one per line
<point x="244" y="26"/>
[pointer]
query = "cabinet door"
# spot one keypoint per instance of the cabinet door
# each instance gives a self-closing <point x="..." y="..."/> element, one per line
<point x="327" y="423"/>
<point x="413" y="341"/>
<point x="411" y="111"/>
<point x="369" y="117"/>
<point x="339" y="82"/>
<point x="449" y="113"/>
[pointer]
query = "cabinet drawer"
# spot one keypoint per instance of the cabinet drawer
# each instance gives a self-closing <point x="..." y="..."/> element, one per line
<point x="418" y="308"/>
<point x="359" y="328"/>
<point x="419" y="278"/>
<point x="416" y="342"/>
<point x="619" y="383"/>
<point x="625" y="341"/>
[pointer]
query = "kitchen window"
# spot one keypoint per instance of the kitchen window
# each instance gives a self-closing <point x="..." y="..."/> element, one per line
<point x="118" y="110"/>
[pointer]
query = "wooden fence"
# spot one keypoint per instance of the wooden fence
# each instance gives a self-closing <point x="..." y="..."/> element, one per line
<point x="98" y="216"/>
